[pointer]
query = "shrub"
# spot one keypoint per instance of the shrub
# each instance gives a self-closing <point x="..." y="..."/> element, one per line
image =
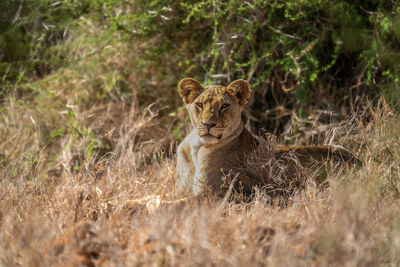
<point x="298" y="55"/>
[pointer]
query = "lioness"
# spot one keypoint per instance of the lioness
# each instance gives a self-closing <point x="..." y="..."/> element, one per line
<point x="219" y="137"/>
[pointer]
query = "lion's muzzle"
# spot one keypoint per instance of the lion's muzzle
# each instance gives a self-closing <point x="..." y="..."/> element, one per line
<point x="209" y="125"/>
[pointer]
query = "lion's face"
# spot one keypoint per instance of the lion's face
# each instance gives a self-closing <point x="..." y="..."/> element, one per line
<point x="214" y="110"/>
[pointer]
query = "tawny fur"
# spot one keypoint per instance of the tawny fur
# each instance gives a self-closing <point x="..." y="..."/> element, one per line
<point x="219" y="138"/>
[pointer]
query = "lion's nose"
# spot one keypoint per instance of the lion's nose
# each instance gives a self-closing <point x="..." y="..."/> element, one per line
<point x="208" y="124"/>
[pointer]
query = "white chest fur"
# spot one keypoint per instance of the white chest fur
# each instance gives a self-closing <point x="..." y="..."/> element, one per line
<point x="198" y="162"/>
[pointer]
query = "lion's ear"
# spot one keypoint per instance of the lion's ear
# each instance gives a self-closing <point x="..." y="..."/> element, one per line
<point x="189" y="89"/>
<point x="240" y="90"/>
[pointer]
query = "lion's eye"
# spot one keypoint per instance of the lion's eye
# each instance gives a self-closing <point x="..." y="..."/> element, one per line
<point x="199" y="105"/>
<point x="224" y="106"/>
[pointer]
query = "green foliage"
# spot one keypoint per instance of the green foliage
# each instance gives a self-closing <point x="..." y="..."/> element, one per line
<point x="28" y="28"/>
<point x="290" y="50"/>
<point x="294" y="44"/>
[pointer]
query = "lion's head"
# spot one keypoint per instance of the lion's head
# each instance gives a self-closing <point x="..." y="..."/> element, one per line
<point x="214" y="110"/>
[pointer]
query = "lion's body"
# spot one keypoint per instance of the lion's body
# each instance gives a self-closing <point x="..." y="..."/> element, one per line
<point x="202" y="166"/>
<point x="219" y="138"/>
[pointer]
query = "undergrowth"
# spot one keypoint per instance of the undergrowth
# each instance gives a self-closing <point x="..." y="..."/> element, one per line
<point x="91" y="215"/>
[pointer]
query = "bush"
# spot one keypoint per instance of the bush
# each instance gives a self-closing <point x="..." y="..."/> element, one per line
<point x="29" y="30"/>
<point x="298" y="55"/>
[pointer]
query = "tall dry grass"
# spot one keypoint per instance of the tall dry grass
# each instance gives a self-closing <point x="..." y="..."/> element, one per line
<point x="52" y="213"/>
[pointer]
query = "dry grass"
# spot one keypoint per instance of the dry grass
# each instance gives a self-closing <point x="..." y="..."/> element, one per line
<point x="52" y="213"/>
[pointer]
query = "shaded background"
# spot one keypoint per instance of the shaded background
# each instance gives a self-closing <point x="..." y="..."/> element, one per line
<point x="303" y="58"/>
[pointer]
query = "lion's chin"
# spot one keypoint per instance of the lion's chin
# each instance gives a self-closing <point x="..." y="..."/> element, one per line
<point x="209" y="139"/>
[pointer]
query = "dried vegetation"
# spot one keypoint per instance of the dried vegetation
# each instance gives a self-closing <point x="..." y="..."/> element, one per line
<point x="89" y="216"/>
